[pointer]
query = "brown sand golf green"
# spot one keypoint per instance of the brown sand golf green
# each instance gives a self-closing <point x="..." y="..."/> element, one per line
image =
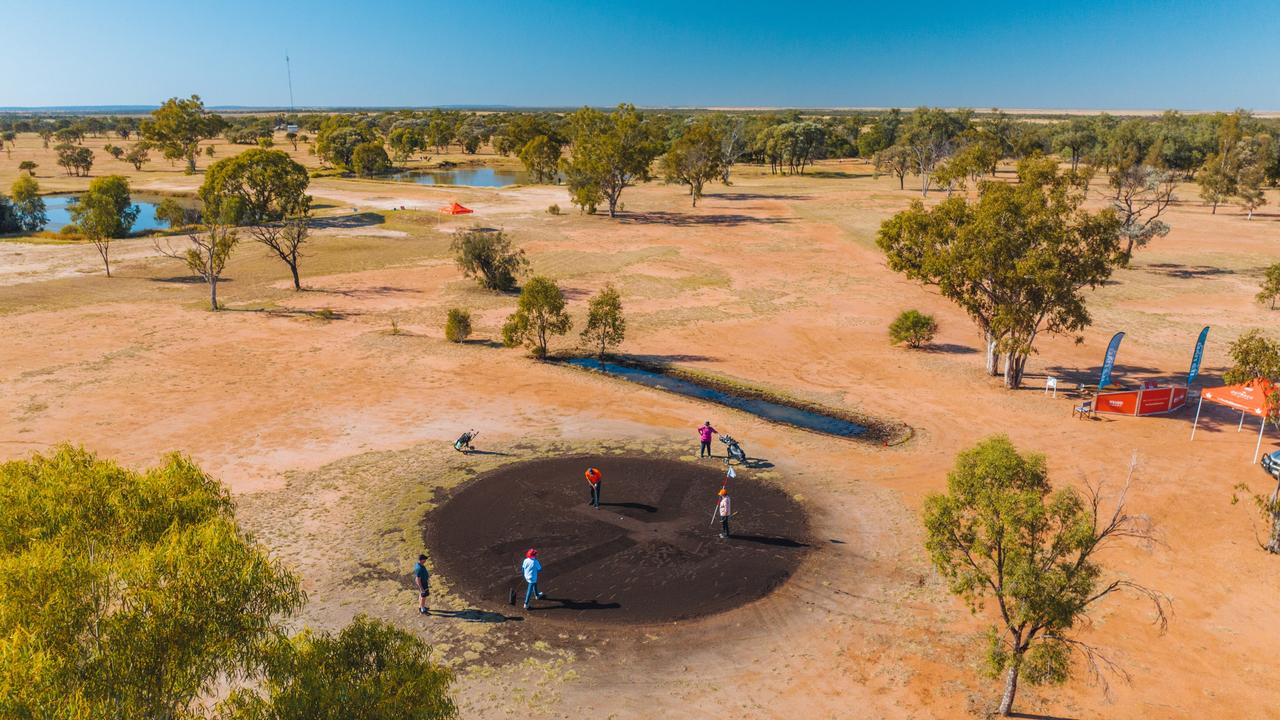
<point x="650" y="553"/>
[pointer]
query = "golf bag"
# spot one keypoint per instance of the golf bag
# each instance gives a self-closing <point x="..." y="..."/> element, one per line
<point x="734" y="450"/>
<point x="463" y="444"/>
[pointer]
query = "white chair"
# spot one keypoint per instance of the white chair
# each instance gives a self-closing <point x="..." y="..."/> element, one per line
<point x="1051" y="383"/>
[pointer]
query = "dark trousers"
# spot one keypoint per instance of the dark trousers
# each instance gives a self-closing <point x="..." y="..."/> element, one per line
<point x="706" y="449"/>
<point x="595" y="494"/>
<point x="724" y="525"/>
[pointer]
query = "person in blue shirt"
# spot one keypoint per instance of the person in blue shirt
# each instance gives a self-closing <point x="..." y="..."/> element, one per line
<point x="420" y="579"/>
<point x="531" y="567"/>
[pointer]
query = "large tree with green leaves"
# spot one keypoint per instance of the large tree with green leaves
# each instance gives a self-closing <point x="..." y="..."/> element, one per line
<point x="541" y="157"/>
<point x="1016" y="260"/>
<point x="370" y="670"/>
<point x="178" y="126"/>
<point x="126" y="594"/>
<point x="539" y="314"/>
<point x="611" y="152"/>
<point x="339" y="137"/>
<point x="695" y="157"/>
<point x="105" y="212"/>
<point x="1002" y="535"/>
<point x="266" y="190"/>
<point x="932" y="135"/>
<point x="28" y="206"/>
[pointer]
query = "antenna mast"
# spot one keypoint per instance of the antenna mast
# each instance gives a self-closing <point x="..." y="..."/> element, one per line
<point x="289" y="72"/>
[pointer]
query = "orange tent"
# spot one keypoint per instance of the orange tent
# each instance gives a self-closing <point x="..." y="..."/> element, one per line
<point x="455" y="209"/>
<point x="1252" y="398"/>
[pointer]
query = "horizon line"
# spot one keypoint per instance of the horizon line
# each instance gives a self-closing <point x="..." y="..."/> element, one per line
<point x="132" y="108"/>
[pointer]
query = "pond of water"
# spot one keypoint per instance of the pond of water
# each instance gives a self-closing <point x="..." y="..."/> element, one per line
<point x="57" y="207"/>
<point x="473" y="176"/>
<point x="766" y="409"/>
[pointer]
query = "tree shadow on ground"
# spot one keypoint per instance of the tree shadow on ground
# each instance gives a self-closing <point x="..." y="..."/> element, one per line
<point x="489" y="343"/>
<point x="768" y="540"/>
<point x="186" y="280"/>
<point x="666" y="359"/>
<point x="835" y="175"/>
<point x="347" y="222"/>
<point x="476" y="615"/>
<point x="378" y="291"/>
<point x="370" y="572"/>
<point x="735" y="196"/>
<point x="1034" y="716"/>
<point x="950" y="348"/>
<point x="631" y="506"/>
<point x="1091" y="374"/>
<point x="570" y="604"/>
<point x="660" y="217"/>
<point x="323" y="314"/>
<point x="1186" y="272"/>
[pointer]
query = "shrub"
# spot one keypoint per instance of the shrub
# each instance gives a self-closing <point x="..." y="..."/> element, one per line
<point x="458" y="325"/>
<point x="553" y="209"/>
<point x="1270" y="286"/>
<point x="488" y="256"/>
<point x="913" y="328"/>
<point x="69" y="229"/>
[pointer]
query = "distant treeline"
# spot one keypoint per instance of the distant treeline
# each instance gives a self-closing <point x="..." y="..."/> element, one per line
<point x="1231" y="155"/>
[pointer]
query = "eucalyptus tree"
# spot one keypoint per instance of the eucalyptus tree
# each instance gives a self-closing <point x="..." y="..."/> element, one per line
<point x="611" y="152"/>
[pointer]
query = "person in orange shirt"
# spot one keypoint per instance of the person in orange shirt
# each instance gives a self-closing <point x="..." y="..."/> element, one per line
<point x="593" y="479"/>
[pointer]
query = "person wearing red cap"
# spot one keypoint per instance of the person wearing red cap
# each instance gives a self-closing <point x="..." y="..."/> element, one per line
<point x="593" y="479"/>
<point x="531" y="567"/>
<point x="724" y="510"/>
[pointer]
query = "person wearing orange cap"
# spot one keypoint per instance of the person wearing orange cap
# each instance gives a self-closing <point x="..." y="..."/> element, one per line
<point x="593" y="479"/>
<point x="530" y="568"/>
<point x="724" y="510"/>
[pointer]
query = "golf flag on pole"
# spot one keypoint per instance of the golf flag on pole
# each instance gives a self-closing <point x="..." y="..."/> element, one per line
<point x="1109" y="360"/>
<point x="1197" y="356"/>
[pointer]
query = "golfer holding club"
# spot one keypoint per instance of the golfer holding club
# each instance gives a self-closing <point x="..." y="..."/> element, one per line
<point x="593" y="479"/>
<point x="723" y="511"/>
<point x="531" y="567"/>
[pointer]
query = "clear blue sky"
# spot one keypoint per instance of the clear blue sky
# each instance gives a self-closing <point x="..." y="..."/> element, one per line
<point x="1187" y="54"/>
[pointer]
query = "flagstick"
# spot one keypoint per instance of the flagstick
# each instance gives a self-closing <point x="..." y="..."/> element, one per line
<point x="1197" y="421"/>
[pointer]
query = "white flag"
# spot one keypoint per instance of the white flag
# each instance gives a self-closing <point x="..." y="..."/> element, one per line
<point x="731" y="473"/>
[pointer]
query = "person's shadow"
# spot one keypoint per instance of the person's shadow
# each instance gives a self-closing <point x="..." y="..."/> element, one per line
<point x="476" y="615"/>
<point x="631" y="506"/>
<point x="568" y="604"/>
<point x="766" y="540"/>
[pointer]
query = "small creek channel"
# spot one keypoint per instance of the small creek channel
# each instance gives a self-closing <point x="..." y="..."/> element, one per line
<point x="777" y="412"/>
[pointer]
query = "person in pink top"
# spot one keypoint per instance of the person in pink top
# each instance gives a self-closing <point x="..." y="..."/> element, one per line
<point x="705" y="432"/>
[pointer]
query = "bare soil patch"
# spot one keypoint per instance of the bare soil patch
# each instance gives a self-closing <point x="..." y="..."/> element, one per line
<point x="651" y="553"/>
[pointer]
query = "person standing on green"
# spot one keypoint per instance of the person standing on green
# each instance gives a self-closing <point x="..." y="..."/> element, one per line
<point x="420" y="579"/>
